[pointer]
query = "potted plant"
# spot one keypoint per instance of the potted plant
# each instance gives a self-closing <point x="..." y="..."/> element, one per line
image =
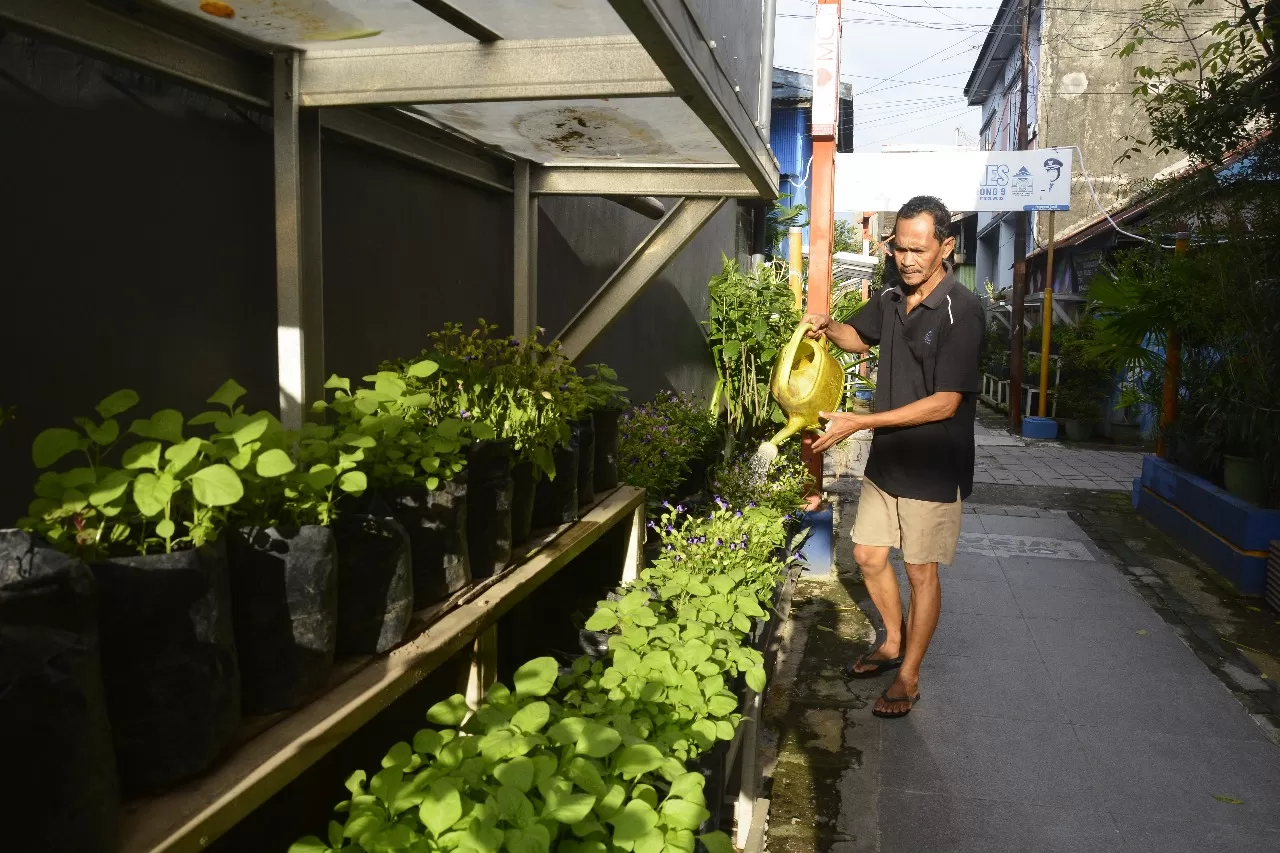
<point x="282" y="550"/>
<point x="150" y="532"/>
<point x="415" y="468"/>
<point x="607" y="403"/>
<point x="557" y="496"/>
<point x="52" y="675"/>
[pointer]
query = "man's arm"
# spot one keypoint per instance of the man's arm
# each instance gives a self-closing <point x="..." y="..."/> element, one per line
<point x="841" y="334"/>
<point x="936" y="407"/>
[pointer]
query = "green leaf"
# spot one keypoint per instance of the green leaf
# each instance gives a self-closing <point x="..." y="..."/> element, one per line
<point x="450" y="712"/>
<point x="217" y="485"/>
<point x="227" y="395"/>
<point x="335" y="834"/>
<point x="102" y="435"/>
<point x="427" y="742"/>
<point x="398" y="756"/>
<point x="689" y="786"/>
<point x="274" y="463"/>
<point x="151" y="492"/>
<point x="636" y="760"/>
<point x="1228" y="800"/>
<point x="717" y="842"/>
<point x="647" y="793"/>
<point x="518" y="773"/>
<point x="585" y="775"/>
<point x="145" y="455"/>
<point x="441" y="807"/>
<point x="602" y="620"/>
<point x="537" y="677"/>
<point x="53" y="444"/>
<point x="534" y="839"/>
<point x="422" y="369"/>
<point x="756" y="679"/>
<point x="611" y="801"/>
<point x="635" y="819"/>
<point x="179" y="456"/>
<point x="117" y="403"/>
<point x="353" y="482"/>
<point x="165" y="528"/>
<point x="724" y="730"/>
<point x="483" y="430"/>
<point x="109" y="488"/>
<point x="569" y="808"/>
<point x="164" y="425"/>
<point x="433" y="483"/>
<point x="652" y="841"/>
<point x="310" y="844"/>
<point x="682" y="814"/>
<point x="355" y="782"/>
<point x="532" y="717"/>
<point x="597" y="741"/>
<point x="567" y="731"/>
<point x="252" y="430"/>
<point x="722" y="705"/>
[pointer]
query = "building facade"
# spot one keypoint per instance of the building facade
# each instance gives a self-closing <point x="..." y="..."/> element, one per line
<point x="1080" y="96"/>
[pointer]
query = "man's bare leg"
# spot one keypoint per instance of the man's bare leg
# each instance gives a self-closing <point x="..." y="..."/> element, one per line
<point x="926" y="604"/>
<point x="882" y="584"/>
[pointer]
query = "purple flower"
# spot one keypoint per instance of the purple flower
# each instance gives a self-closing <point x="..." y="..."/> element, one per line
<point x="653" y="525"/>
<point x="720" y="542"/>
<point x="465" y="415"/>
<point x="737" y="514"/>
<point x="679" y="507"/>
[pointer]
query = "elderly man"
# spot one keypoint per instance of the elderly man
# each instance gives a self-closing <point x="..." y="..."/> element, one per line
<point x="929" y="329"/>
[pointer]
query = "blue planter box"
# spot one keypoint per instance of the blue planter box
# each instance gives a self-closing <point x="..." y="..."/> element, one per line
<point x="816" y="554"/>
<point x="1229" y="534"/>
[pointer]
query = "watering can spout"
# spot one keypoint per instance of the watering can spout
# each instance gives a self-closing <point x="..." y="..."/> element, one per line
<point x="806" y="380"/>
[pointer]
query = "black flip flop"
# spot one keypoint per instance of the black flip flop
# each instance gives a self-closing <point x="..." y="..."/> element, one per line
<point x="881" y="666"/>
<point x="894" y="715"/>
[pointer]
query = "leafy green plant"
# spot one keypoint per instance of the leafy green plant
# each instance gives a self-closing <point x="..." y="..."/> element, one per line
<point x="779" y="221"/>
<point x="401" y="438"/>
<point x="594" y="759"/>
<point x="658" y="440"/>
<point x="163" y="480"/>
<point x="602" y="390"/>
<point x="782" y="489"/>
<point x="752" y="316"/>
<point x="527" y="392"/>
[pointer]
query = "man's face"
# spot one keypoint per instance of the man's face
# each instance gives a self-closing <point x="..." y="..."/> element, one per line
<point x="917" y="251"/>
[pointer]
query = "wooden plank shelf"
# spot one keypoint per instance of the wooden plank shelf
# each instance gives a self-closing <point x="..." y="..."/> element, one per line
<point x="273" y="751"/>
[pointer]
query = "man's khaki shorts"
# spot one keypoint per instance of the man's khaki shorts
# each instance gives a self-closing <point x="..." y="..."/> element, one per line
<point x="927" y="532"/>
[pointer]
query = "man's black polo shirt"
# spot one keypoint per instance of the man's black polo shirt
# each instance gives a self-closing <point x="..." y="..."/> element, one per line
<point x="934" y="348"/>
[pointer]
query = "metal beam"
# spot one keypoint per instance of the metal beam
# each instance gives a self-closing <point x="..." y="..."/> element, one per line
<point x="676" y="181"/>
<point x="513" y="70"/>
<point x="299" y="264"/>
<point x="404" y="136"/>
<point x="670" y="32"/>
<point x="649" y="259"/>
<point x="148" y="40"/>
<point x="459" y="19"/>
<point x="524" y="246"/>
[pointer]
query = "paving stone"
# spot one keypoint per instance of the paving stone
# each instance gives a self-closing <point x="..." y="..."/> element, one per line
<point x="980" y="686"/>
<point x="994" y="637"/>
<point x="1085" y="605"/>
<point x="1163" y="777"/>
<point x="1144" y="834"/>
<point x="915" y="822"/>
<point x="1060" y="528"/>
<point x="1071" y="574"/>
<point x="1018" y="761"/>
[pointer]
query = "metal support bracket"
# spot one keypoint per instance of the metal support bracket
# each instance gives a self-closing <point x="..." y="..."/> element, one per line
<point x="525" y="253"/>
<point x="512" y="70"/>
<point x="676" y="181"/>
<point x="299" y="259"/>
<point x="649" y="259"/>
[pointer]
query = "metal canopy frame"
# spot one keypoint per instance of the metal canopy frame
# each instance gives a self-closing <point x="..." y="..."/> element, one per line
<point x="353" y="92"/>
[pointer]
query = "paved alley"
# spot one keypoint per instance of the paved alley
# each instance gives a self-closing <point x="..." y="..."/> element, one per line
<point x="1060" y="712"/>
<point x="1011" y="460"/>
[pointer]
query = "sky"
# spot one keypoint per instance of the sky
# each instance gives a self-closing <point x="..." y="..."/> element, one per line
<point x="908" y="61"/>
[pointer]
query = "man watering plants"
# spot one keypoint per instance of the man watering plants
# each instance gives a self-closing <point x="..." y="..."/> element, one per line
<point x="929" y="328"/>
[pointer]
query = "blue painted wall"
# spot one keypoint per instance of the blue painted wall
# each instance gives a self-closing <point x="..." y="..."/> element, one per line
<point x="792" y="143"/>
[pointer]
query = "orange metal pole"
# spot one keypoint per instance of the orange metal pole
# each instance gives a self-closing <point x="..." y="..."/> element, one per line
<point x="1172" y="368"/>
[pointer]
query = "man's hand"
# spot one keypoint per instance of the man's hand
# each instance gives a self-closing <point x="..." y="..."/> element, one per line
<point x="820" y="322"/>
<point x="840" y="426"/>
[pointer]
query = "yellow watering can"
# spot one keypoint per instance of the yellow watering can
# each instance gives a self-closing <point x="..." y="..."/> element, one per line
<point x="806" y="380"/>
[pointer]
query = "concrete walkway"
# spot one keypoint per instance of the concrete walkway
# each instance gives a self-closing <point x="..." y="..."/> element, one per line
<point x="1060" y="714"/>
<point x="1011" y="460"/>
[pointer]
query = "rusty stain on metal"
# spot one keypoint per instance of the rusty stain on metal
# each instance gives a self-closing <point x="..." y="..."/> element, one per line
<point x="218" y="10"/>
<point x="591" y="132"/>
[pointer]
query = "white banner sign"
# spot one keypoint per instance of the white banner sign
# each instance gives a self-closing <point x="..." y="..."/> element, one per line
<point x="964" y="180"/>
<point x="826" y="71"/>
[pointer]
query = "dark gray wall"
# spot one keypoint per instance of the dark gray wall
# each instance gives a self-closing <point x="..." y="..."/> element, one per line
<point x="137" y="250"/>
